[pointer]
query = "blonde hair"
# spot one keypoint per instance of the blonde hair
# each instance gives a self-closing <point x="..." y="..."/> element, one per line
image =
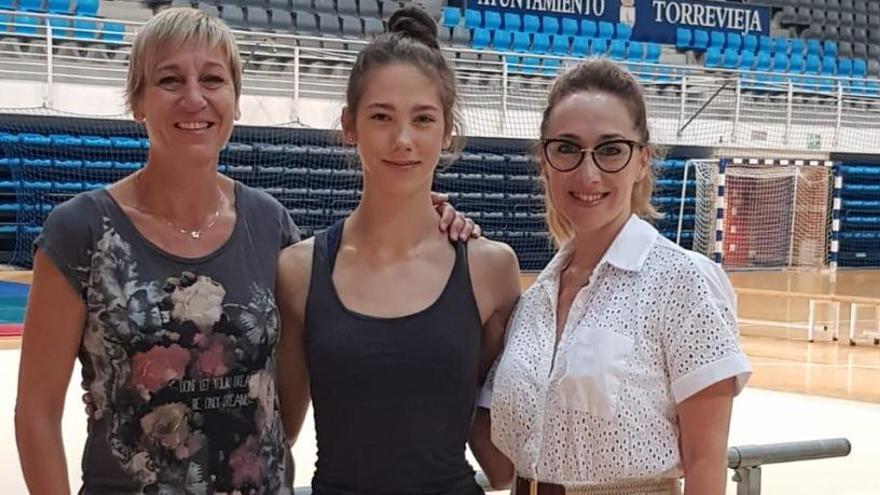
<point x="177" y="26"/>
<point x="599" y="74"/>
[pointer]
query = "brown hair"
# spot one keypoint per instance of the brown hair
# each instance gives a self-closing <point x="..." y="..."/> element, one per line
<point x="411" y="39"/>
<point x="601" y="75"/>
<point x="178" y="26"/>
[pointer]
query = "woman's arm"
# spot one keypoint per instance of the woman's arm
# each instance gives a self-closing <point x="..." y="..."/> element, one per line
<point x="52" y="332"/>
<point x="497" y="285"/>
<point x="292" y="288"/>
<point x="704" y="422"/>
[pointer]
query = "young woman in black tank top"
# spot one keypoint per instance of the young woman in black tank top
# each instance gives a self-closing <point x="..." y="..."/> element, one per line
<point x="388" y="325"/>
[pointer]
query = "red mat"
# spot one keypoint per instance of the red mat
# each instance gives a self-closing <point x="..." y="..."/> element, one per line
<point x="10" y="329"/>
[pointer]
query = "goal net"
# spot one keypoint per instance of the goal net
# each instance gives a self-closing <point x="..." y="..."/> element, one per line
<point x="764" y="214"/>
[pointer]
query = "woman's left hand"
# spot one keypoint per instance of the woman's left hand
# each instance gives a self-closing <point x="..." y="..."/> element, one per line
<point x="458" y="226"/>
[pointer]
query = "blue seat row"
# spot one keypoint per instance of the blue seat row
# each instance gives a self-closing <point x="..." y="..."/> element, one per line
<point x="510" y="21"/>
<point x="701" y="40"/>
<point x="66" y="140"/>
<point x="564" y="45"/>
<point x="83" y="29"/>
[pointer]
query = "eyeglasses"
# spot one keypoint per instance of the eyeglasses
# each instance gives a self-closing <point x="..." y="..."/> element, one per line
<point x="610" y="156"/>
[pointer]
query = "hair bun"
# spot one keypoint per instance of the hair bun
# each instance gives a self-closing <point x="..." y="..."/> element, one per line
<point x="413" y="22"/>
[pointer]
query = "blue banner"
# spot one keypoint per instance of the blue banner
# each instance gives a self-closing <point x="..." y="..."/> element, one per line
<point x="657" y="20"/>
<point x="598" y="10"/>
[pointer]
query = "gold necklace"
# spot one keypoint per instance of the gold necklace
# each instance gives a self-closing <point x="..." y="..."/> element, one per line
<point x="192" y="233"/>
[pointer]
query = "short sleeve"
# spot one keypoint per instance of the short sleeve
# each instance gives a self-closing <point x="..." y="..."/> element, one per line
<point x="290" y="233"/>
<point x="700" y="337"/>
<point x="67" y="239"/>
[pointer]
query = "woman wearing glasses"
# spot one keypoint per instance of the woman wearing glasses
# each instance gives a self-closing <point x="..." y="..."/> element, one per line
<point x="621" y="361"/>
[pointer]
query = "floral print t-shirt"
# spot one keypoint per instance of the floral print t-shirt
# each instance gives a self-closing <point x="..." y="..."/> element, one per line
<point x="177" y="353"/>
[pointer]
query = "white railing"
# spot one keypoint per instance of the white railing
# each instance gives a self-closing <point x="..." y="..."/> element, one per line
<point x="688" y="105"/>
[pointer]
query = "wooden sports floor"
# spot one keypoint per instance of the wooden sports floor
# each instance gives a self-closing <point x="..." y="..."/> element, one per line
<point x="782" y="358"/>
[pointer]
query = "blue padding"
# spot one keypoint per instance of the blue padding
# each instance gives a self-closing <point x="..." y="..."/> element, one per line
<point x="38" y="139"/>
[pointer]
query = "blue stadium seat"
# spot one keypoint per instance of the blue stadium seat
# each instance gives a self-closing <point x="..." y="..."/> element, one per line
<point x="716" y="40"/>
<point x="512" y="62"/>
<point x="701" y="40"/>
<point x="127" y="165"/>
<point x="58" y="7"/>
<point x="87" y="8"/>
<point x="829" y="48"/>
<point x="734" y="41"/>
<point x="747" y="60"/>
<point x="814" y="47"/>
<point x="730" y="59"/>
<point x="512" y="21"/>
<point x="780" y="45"/>
<point x="713" y="58"/>
<point x="66" y="164"/>
<point x="61" y="27"/>
<point x="473" y="19"/>
<point x="766" y="44"/>
<point x="569" y="26"/>
<point x="588" y="28"/>
<point x="829" y="65"/>
<point x="540" y="43"/>
<point x="606" y="30"/>
<point x="683" y="38"/>
<point x="551" y="67"/>
<point x="780" y="62"/>
<point x="797" y="46"/>
<point x="623" y="32"/>
<point x="531" y="23"/>
<point x="491" y="20"/>
<point x="5" y="23"/>
<point x="559" y="47"/>
<point x="7" y="5"/>
<point x="502" y="40"/>
<point x="652" y="52"/>
<point x="860" y="68"/>
<point x="521" y="42"/>
<point x="113" y="33"/>
<point x="797" y="63"/>
<point x="530" y="65"/>
<point x="598" y="46"/>
<point x="749" y="43"/>
<point x="8" y="138"/>
<point x="480" y="38"/>
<point x="549" y="25"/>
<point x="844" y="67"/>
<point x="813" y="64"/>
<point x="26" y="25"/>
<point x="580" y="46"/>
<point x="30" y="5"/>
<point x="84" y="29"/>
<point x="450" y="17"/>
<point x="617" y="50"/>
<point x="635" y="51"/>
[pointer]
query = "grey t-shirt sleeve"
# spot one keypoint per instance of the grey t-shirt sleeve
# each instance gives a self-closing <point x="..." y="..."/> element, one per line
<point x="67" y="239"/>
<point x="290" y="233"/>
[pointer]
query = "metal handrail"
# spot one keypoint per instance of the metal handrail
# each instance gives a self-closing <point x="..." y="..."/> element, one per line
<point x="745" y="460"/>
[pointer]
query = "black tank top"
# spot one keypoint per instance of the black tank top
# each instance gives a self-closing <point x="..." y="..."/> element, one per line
<point x="393" y="397"/>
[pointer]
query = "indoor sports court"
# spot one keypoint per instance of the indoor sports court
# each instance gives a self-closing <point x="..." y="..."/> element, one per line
<point x="769" y="131"/>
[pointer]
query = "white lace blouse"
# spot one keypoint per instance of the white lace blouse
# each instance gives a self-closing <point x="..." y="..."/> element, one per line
<point x="655" y="324"/>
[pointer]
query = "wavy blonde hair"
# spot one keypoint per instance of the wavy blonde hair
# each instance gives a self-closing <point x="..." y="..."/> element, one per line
<point x="601" y="75"/>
